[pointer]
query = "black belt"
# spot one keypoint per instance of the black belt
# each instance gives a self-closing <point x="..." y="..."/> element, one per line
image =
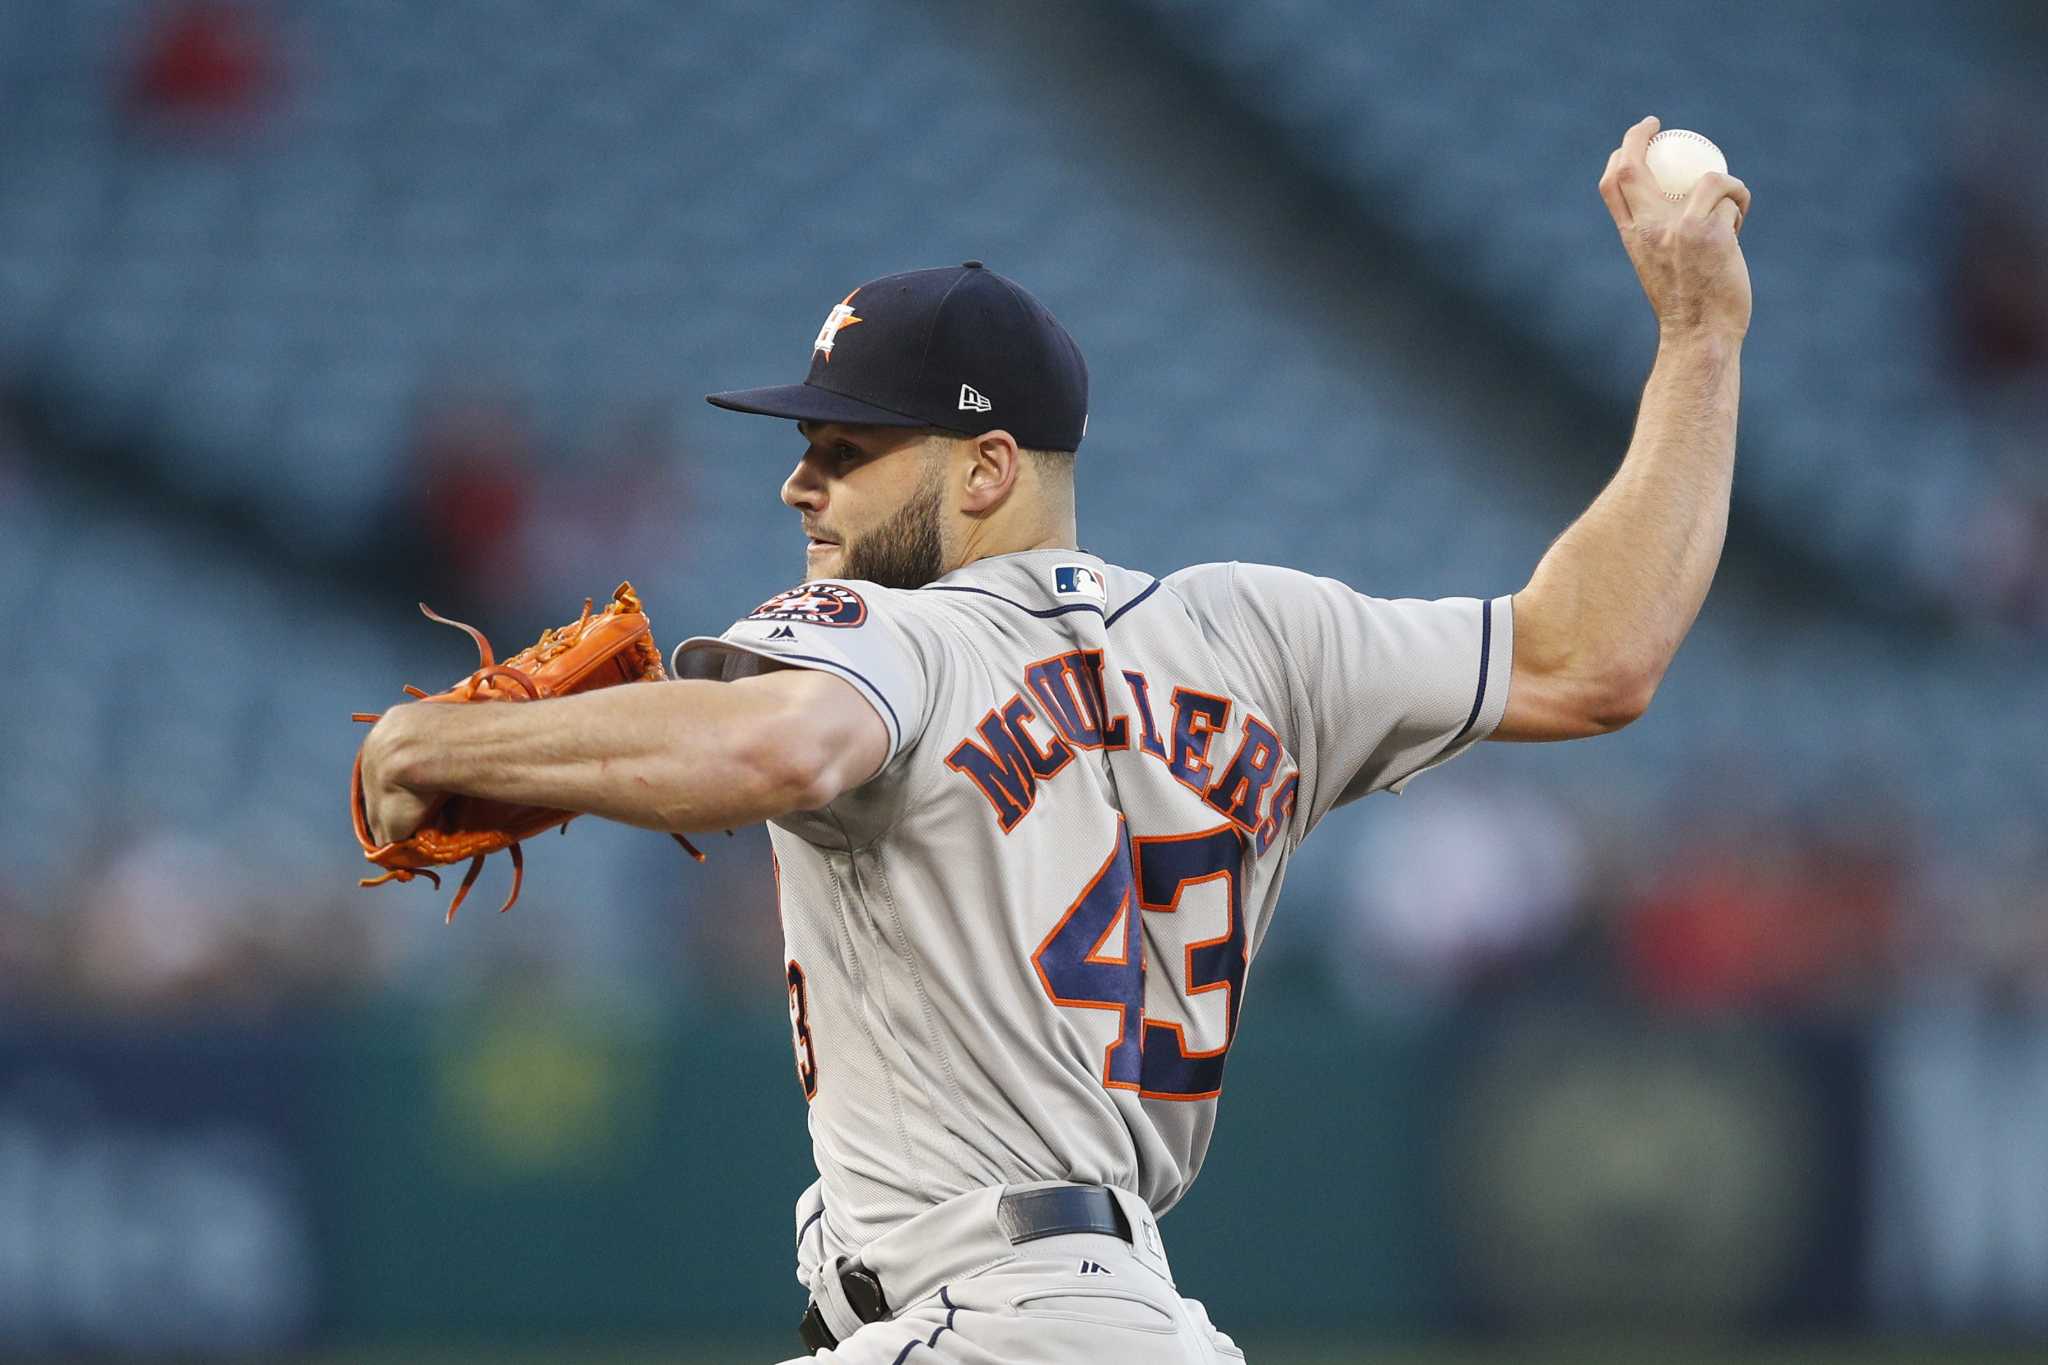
<point x="1023" y="1216"/>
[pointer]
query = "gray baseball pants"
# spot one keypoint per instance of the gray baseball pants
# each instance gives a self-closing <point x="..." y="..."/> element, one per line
<point x="964" y="1295"/>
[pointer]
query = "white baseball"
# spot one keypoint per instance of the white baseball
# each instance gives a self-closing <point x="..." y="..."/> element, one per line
<point x="1678" y="157"/>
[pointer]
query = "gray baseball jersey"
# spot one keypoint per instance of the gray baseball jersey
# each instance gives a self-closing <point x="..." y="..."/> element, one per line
<point x="1019" y="952"/>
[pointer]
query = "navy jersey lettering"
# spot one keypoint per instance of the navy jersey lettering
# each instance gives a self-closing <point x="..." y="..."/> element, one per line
<point x="1197" y="716"/>
<point x="1252" y="768"/>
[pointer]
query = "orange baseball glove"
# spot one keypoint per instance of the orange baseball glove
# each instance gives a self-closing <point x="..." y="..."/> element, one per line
<point x="601" y="649"/>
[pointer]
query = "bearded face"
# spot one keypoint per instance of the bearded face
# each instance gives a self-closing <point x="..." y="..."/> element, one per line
<point x="906" y="549"/>
<point x="903" y="551"/>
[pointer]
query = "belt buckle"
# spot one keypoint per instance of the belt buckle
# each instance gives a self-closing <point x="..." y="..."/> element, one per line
<point x="864" y="1294"/>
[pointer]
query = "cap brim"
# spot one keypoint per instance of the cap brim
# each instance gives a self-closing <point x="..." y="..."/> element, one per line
<point x="808" y="403"/>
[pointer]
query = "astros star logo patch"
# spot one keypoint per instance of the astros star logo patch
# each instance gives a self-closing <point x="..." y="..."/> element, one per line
<point x="840" y="316"/>
<point x="817" y="604"/>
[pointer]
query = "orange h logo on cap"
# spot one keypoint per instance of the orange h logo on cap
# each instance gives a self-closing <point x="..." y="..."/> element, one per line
<point x="840" y="316"/>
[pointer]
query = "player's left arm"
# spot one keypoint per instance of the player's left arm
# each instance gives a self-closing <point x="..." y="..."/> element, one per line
<point x="1605" y="611"/>
<point x="685" y="756"/>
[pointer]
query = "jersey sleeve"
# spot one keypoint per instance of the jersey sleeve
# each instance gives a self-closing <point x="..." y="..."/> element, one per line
<point x="855" y="631"/>
<point x="1379" y="689"/>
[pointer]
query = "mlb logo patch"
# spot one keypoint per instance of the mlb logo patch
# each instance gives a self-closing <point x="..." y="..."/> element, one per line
<point x="1078" y="580"/>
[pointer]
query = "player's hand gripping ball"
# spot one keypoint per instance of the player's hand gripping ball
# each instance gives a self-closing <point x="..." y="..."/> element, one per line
<point x="1678" y="157"/>
<point x="410" y="834"/>
<point x="1678" y="211"/>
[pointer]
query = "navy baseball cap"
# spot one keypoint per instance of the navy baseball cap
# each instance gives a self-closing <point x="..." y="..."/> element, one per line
<point x="959" y="348"/>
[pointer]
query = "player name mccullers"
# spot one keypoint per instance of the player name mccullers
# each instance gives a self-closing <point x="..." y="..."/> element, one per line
<point x="1008" y="762"/>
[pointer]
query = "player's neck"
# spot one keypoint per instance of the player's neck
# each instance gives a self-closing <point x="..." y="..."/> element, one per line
<point x="1009" y="535"/>
<point x="996" y="551"/>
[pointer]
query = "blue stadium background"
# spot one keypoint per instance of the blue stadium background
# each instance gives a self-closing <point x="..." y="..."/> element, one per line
<point x="1736" y="1022"/>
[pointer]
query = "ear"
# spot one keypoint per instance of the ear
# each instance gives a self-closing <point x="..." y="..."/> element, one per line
<point x="992" y="465"/>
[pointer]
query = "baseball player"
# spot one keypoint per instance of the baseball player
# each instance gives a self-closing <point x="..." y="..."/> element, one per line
<point x="1031" y="811"/>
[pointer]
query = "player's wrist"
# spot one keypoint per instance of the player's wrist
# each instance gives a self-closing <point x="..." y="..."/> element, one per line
<point x="396" y="748"/>
<point x="1703" y="336"/>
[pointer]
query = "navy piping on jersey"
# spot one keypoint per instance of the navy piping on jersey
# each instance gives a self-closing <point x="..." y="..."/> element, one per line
<point x="931" y="1342"/>
<point x="1118" y="613"/>
<point x="1485" y="654"/>
<point x="1035" y="611"/>
<point x="1046" y="612"/>
<point x="834" y="664"/>
<point x="807" y="1224"/>
<point x="1479" y="700"/>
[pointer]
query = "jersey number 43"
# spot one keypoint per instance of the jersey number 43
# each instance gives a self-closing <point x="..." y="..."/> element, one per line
<point x="1094" y="958"/>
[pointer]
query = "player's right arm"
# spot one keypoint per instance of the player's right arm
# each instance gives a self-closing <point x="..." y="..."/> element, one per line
<point x="1609" y="604"/>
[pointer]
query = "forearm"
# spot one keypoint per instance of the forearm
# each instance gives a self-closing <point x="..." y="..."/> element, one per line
<point x="1615" y="595"/>
<point x="672" y="756"/>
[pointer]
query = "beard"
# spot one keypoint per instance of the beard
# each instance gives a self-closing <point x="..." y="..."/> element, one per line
<point x="905" y="551"/>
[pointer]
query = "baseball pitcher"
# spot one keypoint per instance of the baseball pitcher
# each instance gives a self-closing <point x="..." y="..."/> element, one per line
<point x="1031" y="811"/>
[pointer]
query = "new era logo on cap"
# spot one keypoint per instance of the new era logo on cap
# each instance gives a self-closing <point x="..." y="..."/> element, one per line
<point x="972" y="401"/>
